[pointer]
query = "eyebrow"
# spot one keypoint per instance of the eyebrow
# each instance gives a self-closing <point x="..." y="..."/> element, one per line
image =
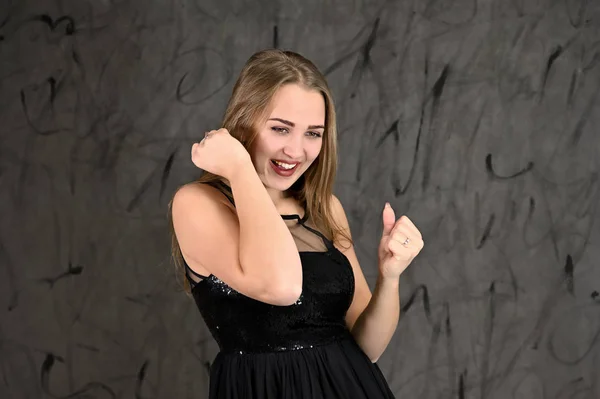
<point x="292" y="124"/>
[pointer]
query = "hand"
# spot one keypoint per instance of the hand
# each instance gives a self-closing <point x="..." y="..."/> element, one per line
<point x="400" y="243"/>
<point x="219" y="153"/>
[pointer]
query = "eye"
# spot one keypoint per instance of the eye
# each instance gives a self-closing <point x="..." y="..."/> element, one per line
<point x="280" y="130"/>
<point x="314" y="134"/>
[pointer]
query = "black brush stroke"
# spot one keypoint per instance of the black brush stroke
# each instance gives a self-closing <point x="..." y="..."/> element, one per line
<point x="579" y="357"/>
<point x="570" y="389"/>
<point x="13" y="298"/>
<point x="551" y="59"/>
<point x="585" y="116"/>
<point x="577" y="20"/>
<point x="25" y="109"/>
<point x="89" y="348"/>
<point x="180" y="94"/>
<point x="339" y="63"/>
<point x="71" y="271"/>
<point x="461" y="385"/>
<point x="391" y="131"/>
<point x="142" y="189"/>
<point x="46" y="370"/>
<point x="568" y="275"/>
<point x="165" y="174"/>
<point x="489" y="167"/>
<point x="592" y="64"/>
<point x="426" y="305"/>
<point x="141" y="376"/>
<point x="450" y="350"/>
<point x="531" y="208"/>
<point x="572" y="86"/>
<point x="53" y="24"/>
<point x="436" y="94"/>
<point x="361" y="65"/>
<point x="440" y="83"/>
<point x="396" y="184"/>
<point x="487" y="231"/>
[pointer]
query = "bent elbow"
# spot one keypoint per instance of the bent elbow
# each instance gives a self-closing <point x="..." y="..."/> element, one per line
<point x="285" y="295"/>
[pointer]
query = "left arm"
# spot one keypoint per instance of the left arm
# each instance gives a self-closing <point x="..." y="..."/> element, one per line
<point x="372" y="318"/>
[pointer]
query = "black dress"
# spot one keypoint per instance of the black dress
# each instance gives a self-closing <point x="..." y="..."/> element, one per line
<point x="302" y="351"/>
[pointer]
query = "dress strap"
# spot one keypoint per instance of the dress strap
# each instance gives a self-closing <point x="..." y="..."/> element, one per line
<point x="224" y="188"/>
<point x="193" y="277"/>
<point x="328" y="243"/>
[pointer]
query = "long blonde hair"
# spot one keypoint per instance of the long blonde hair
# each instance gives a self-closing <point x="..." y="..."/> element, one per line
<point x="262" y="75"/>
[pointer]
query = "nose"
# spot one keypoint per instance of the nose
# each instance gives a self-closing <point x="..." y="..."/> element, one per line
<point x="294" y="147"/>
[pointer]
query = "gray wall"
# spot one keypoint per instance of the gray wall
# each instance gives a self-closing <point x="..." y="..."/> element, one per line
<point x="477" y="119"/>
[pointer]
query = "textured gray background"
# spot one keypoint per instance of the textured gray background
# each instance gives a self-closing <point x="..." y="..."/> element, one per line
<point x="477" y="119"/>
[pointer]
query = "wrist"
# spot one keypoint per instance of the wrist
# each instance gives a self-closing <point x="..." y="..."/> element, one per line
<point x="388" y="281"/>
<point x="241" y="167"/>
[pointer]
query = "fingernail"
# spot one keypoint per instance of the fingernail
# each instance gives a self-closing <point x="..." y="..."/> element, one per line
<point x="387" y="205"/>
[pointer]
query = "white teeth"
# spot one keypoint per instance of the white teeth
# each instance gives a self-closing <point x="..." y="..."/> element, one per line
<point x="284" y="165"/>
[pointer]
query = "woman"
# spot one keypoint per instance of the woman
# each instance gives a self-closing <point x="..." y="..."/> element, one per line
<point x="267" y="250"/>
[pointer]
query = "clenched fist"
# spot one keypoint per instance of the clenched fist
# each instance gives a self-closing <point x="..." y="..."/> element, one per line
<point x="220" y="153"/>
<point x="401" y="242"/>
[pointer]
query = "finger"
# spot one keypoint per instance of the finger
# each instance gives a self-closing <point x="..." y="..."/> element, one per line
<point x="399" y="251"/>
<point x="388" y="217"/>
<point x="407" y="222"/>
<point x="414" y="243"/>
<point x="401" y="232"/>
<point x="403" y="239"/>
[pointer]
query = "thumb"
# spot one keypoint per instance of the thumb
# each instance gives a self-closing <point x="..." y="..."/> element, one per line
<point x="389" y="219"/>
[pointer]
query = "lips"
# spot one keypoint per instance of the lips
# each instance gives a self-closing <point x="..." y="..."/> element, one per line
<point x="282" y="167"/>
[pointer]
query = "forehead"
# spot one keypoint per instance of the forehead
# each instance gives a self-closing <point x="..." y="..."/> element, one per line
<point x="299" y="105"/>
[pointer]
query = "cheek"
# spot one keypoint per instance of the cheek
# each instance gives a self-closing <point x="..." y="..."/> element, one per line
<point x="260" y="148"/>
<point x="313" y="152"/>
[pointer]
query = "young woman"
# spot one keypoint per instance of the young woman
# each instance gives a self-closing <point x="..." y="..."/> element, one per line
<point x="267" y="251"/>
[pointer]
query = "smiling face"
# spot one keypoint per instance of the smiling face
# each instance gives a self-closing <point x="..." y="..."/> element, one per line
<point x="290" y="139"/>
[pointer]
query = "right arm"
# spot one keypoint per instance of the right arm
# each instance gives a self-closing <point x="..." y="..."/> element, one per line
<point x="253" y="251"/>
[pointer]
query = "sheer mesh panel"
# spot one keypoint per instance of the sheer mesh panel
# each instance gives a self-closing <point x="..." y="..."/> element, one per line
<point x="306" y="240"/>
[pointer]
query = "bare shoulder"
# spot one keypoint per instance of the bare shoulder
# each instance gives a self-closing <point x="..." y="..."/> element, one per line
<point x="344" y="238"/>
<point x="338" y="212"/>
<point x="199" y="197"/>
<point x="336" y="206"/>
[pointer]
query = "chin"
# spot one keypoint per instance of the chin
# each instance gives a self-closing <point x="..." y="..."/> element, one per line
<point x="282" y="186"/>
<point x="275" y="183"/>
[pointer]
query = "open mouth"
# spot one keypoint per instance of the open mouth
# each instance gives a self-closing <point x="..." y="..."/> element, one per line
<point x="284" y="168"/>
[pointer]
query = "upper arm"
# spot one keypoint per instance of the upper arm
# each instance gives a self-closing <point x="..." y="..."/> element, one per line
<point x="362" y="293"/>
<point x="208" y="234"/>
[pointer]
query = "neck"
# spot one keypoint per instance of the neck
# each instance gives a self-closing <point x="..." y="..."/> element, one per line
<point x="278" y="197"/>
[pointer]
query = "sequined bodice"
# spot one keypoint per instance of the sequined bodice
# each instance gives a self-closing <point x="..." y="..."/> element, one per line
<point x="241" y="324"/>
